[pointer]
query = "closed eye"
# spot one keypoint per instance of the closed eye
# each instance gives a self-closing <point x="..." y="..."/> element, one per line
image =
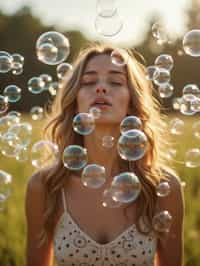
<point x="116" y="83"/>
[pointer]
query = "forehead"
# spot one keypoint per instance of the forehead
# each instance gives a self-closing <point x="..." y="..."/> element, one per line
<point x="102" y="64"/>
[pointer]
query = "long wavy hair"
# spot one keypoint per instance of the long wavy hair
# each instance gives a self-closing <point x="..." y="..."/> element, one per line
<point x="59" y="130"/>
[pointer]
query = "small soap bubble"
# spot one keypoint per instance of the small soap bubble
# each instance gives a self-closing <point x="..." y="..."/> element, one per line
<point x="75" y="157"/>
<point x="52" y="48"/>
<point x="5" y="184"/>
<point x="47" y="79"/>
<point x="162" y="222"/>
<point x="23" y="131"/>
<point x="163" y="189"/>
<point x="107" y="199"/>
<point x="171" y="154"/>
<point x="15" y="115"/>
<point x="3" y="104"/>
<point x="9" y="142"/>
<point x="162" y="77"/>
<point x="18" y="71"/>
<point x="5" y="62"/>
<point x="95" y="112"/>
<point x="13" y="93"/>
<point x="119" y="57"/>
<point x="151" y="72"/>
<point x="176" y="103"/>
<point x="186" y="107"/>
<point x="83" y="123"/>
<point x="63" y="69"/>
<point x="126" y="187"/>
<point x="54" y="87"/>
<point x="192" y="158"/>
<point x="191" y="43"/>
<point x="132" y="145"/>
<point x="176" y="126"/>
<point x="166" y="91"/>
<point x="106" y="8"/>
<point x="130" y="122"/>
<point x="108" y="26"/>
<point x="159" y="32"/>
<point x="6" y="122"/>
<point x="191" y="89"/>
<point x="37" y="113"/>
<point x="17" y="64"/>
<point x="164" y="61"/>
<point x="44" y="153"/>
<point x="108" y="141"/>
<point x="22" y="154"/>
<point x="93" y="176"/>
<point x="36" y="85"/>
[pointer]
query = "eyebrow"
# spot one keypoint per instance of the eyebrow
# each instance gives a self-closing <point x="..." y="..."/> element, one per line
<point x="92" y="72"/>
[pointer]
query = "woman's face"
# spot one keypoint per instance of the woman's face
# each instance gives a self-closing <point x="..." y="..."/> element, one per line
<point x="104" y="85"/>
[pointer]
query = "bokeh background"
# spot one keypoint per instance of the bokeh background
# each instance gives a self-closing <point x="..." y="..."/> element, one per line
<point x="22" y="22"/>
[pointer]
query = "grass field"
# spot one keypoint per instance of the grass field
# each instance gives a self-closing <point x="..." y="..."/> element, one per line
<point x="12" y="219"/>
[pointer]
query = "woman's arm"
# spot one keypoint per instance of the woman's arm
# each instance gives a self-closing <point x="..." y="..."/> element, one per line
<point x="170" y="248"/>
<point x="34" y="209"/>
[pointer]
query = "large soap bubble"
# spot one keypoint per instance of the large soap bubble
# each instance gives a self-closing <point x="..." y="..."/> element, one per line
<point x="93" y="176"/>
<point x="191" y="43"/>
<point x="83" y="123"/>
<point x="75" y="157"/>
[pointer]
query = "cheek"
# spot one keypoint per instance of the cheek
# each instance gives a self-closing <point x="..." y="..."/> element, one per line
<point x="81" y="100"/>
<point x="123" y="101"/>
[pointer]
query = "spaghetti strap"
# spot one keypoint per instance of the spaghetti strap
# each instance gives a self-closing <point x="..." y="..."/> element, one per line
<point x="64" y="200"/>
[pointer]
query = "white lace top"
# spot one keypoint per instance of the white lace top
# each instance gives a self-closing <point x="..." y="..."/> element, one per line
<point x="73" y="247"/>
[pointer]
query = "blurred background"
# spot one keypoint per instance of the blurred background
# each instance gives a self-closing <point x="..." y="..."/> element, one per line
<point x="21" y="24"/>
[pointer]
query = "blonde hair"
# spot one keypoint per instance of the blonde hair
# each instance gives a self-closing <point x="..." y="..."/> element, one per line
<point x="59" y="130"/>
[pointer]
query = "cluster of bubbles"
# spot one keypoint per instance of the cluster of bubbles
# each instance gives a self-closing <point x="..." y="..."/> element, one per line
<point x="11" y="62"/>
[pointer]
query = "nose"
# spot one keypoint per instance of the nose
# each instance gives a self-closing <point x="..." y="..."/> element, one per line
<point x="101" y="90"/>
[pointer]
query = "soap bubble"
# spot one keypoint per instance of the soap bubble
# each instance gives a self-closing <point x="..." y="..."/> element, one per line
<point x="130" y="122"/>
<point x="163" y="189"/>
<point x="119" y="57"/>
<point x="108" y="26"/>
<point x="162" y="77"/>
<point x="9" y="142"/>
<point x="5" y="62"/>
<point x="166" y="91"/>
<point x="162" y="221"/>
<point x="52" y="48"/>
<point x="159" y="33"/>
<point x="191" y="43"/>
<point x="15" y="115"/>
<point x="176" y="103"/>
<point x="23" y="132"/>
<point x="192" y="158"/>
<point x="108" y="141"/>
<point x="63" y="69"/>
<point x="36" y="85"/>
<point x="164" y="61"/>
<point x="54" y="87"/>
<point x="13" y="93"/>
<point x="18" y="71"/>
<point x="37" y="113"/>
<point x="3" y="104"/>
<point x="170" y="154"/>
<point x="176" y="126"/>
<point x="132" y="145"/>
<point x="95" y="112"/>
<point x="83" y="123"/>
<point x="22" y="154"/>
<point x="106" y="8"/>
<point x="107" y="199"/>
<point x="5" y="184"/>
<point x="126" y="187"/>
<point x="75" y="157"/>
<point x="187" y="103"/>
<point x="93" y="176"/>
<point x="44" y="153"/>
<point x="151" y="72"/>
<point x="191" y="89"/>
<point x="17" y="64"/>
<point x="6" y="122"/>
<point x="47" y="79"/>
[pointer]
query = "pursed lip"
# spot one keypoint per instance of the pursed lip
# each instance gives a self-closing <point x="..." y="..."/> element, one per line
<point x="101" y="101"/>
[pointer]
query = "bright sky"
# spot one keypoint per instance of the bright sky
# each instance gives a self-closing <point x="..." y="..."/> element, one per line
<point x="80" y="14"/>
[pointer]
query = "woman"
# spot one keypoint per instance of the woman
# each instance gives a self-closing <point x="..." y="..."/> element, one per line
<point x="66" y="219"/>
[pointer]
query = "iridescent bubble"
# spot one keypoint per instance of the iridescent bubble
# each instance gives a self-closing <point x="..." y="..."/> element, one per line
<point x="22" y="154"/>
<point x="176" y="126"/>
<point x="83" y="123"/>
<point x="75" y="157"/>
<point x="63" y="69"/>
<point x="44" y="153"/>
<point x="52" y="48"/>
<point x="159" y="33"/>
<point x="151" y="72"/>
<point x="95" y="112"/>
<point x="164" y="61"/>
<point x="47" y="79"/>
<point x="191" y="89"/>
<point x="23" y="132"/>
<point x="5" y="62"/>
<point x="195" y="105"/>
<point x="126" y="187"/>
<point x="37" y="113"/>
<point x="5" y="183"/>
<point x="15" y="115"/>
<point x="130" y="122"/>
<point x="108" y="26"/>
<point x="93" y="176"/>
<point x="196" y="129"/>
<point x="108" y="141"/>
<point x="9" y="142"/>
<point x="18" y="71"/>
<point x="3" y="104"/>
<point x="106" y="8"/>
<point x="166" y="91"/>
<point x="13" y="93"/>
<point x="132" y="145"/>
<point x="54" y="87"/>
<point x="36" y="85"/>
<point x="162" y="221"/>
<point x="176" y="103"/>
<point x="107" y="199"/>
<point x="119" y="57"/>
<point x="192" y="158"/>
<point x="162" y="77"/>
<point x="163" y="189"/>
<point x="6" y="122"/>
<point x="191" y="43"/>
<point x="186" y="104"/>
<point x="17" y="64"/>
